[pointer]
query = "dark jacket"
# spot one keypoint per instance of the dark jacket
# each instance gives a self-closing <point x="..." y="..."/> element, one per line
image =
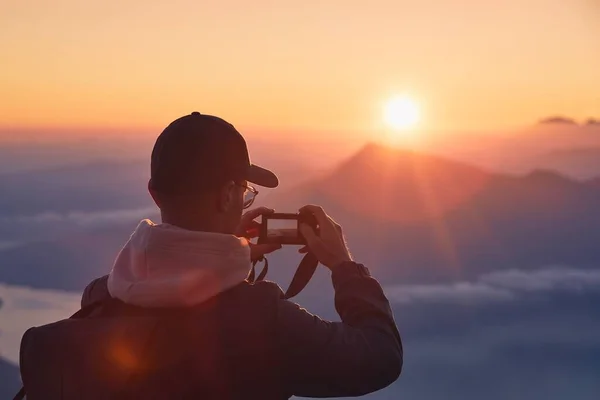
<point x="245" y="343"/>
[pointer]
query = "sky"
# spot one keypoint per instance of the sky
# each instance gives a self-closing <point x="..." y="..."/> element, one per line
<point x="290" y="65"/>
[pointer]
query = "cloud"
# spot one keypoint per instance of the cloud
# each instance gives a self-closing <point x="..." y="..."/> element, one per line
<point x="499" y="286"/>
<point x="548" y="279"/>
<point x="454" y="292"/>
<point x="24" y="307"/>
<point x="535" y="331"/>
<point x="82" y="218"/>
<point x="19" y="229"/>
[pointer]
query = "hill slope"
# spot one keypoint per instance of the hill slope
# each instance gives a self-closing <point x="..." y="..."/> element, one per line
<point x="440" y="219"/>
<point x="582" y="163"/>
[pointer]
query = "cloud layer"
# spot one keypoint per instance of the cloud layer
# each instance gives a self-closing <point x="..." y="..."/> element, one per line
<point x="19" y="229"/>
<point x="505" y="285"/>
<point x="23" y="308"/>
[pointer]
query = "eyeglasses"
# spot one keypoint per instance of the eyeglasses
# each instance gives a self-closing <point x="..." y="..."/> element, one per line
<point x="249" y="195"/>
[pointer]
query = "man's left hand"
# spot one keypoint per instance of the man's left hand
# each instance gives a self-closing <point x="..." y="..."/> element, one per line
<point x="249" y="228"/>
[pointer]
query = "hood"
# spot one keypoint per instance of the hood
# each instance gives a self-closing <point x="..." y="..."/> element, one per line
<point x="162" y="265"/>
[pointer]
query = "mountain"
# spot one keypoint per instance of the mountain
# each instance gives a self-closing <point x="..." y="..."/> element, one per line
<point x="376" y="179"/>
<point x="582" y="163"/>
<point x="522" y="151"/>
<point x="441" y="219"/>
<point x="10" y="379"/>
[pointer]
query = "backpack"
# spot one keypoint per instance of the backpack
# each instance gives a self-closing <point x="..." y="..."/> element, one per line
<point x="301" y="278"/>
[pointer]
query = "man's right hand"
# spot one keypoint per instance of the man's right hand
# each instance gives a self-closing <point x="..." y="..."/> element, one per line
<point x="329" y="247"/>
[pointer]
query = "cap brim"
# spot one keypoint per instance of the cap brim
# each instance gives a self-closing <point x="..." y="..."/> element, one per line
<point x="262" y="177"/>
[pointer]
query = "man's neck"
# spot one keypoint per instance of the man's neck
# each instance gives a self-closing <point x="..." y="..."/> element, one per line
<point x="194" y="224"/>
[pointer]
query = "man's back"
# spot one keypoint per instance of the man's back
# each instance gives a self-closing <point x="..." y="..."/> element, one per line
<point x="244" y="343"/>
<point x="221" y="349"/>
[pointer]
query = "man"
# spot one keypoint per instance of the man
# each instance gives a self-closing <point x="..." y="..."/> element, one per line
<point x="177" y="317"/>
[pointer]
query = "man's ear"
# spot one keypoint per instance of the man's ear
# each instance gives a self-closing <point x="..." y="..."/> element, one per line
<point x="226" y="196"/>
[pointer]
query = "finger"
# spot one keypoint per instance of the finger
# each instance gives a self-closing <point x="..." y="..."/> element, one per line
<point x="334" y="224"/>
<point x="338" y="227"/>
<point x="253" y="225"/>
<point x="309" y="234"/>
<point x="256" y="212"/>
<point x="253" y="229"/>
<point x="303" y="250"/>
<point x="252" y="233"/>
<point x="326" y="224"/>
<point x="319" y="213"/>
<point x="247" y="221"/>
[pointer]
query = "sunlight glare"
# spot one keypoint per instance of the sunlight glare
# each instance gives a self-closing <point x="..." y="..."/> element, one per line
<point x="401" y="113"/>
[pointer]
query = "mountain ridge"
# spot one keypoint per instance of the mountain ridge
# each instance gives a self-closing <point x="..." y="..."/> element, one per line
<point x="453" y="215"/>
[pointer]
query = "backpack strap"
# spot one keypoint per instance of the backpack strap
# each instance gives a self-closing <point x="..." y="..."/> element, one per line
<point x="303" y="274"/>
<point x="20" y="395"/>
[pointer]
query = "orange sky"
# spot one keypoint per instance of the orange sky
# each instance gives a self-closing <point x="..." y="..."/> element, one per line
<point x="297" y="64"/>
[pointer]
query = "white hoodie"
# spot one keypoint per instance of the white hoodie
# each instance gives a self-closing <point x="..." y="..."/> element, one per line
<point x="162" y="265"/>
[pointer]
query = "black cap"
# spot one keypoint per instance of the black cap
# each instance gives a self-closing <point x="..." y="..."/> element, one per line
<point x="197" y="152"/>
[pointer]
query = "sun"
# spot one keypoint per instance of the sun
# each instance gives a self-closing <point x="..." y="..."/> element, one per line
<point x="401" y="113"/>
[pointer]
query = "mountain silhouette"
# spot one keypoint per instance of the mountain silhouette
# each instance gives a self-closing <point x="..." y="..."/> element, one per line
<point x="583" y="163"/>
<point x="397" y="185"/>
<point x="442" y="219"/>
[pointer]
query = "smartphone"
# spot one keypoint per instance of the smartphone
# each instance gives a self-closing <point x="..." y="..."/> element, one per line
<point x="282" y="228"/>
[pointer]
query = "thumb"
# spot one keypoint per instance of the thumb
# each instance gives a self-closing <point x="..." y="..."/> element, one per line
<point x="308" y="233"/>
